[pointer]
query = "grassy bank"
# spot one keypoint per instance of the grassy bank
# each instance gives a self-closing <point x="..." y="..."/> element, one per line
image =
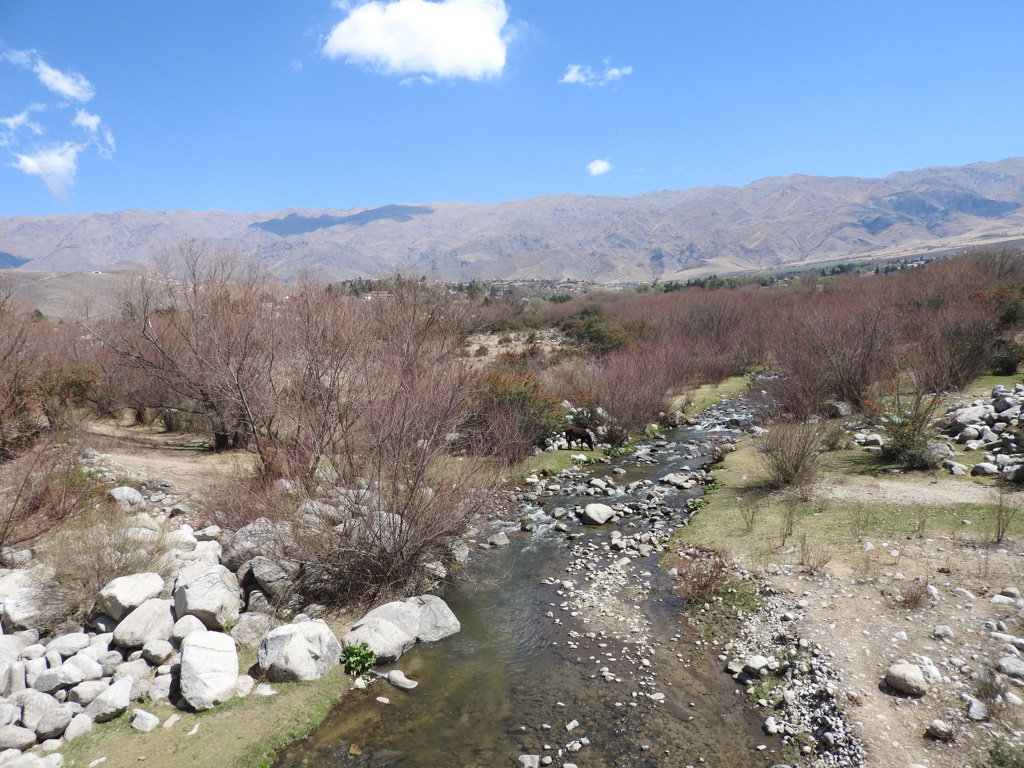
<point x="243" y="733"/>
<point x="826" y="524"/>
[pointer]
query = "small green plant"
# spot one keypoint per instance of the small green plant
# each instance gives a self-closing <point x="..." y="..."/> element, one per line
<point x="358" y="659"/>
<point x="1004" y="756"/>
<point x="615" y="451"/>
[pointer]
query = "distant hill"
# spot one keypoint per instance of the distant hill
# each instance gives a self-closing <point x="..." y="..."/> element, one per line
<point x="664" y="235"/>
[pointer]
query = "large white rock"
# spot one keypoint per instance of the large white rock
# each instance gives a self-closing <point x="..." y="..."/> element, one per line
<point x="150" y="621"/>
<point x="112" y="702"/>
<point x="306" y="650"/>
<point x="123" y="595"/>
<point x="57" y="678"/>
<point x="209" y="669"/>
<point x="597" y="514"/>
<point x="21" y="609"/>
<point x="80" y="723"/>
<point x="70" y="644"/>
<point x="52" y="724"/>
<point x="388" y="641"/>
<point x="907" y="678"/>
<point x="260" y="537"/>
<point x="16" y="737"/>
<point x="392" y="629"/>
<point x="213" y="597"/>
<point x="126" y="498"/>
<point x="252" y="628"/>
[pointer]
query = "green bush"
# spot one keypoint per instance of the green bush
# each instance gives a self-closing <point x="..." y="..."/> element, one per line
<point x="908" y="424"/>
<point x="510" y="414"/>
<point x="358" y="659"/>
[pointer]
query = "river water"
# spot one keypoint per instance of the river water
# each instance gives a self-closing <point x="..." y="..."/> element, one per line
<point x="524" y="676"/>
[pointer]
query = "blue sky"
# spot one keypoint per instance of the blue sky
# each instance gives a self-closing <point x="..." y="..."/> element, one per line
<point x="267" y="105"/>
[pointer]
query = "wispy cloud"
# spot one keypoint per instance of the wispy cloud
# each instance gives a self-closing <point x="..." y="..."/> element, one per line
<point x="85" y="120"/>
<point x="69" y="84"/>
<point x="599" y="167"/>
<point x="56" y="166"/>
<point x="44" y="140"/>
<point x="447" y="39"/>
<point x="581" y="74"/>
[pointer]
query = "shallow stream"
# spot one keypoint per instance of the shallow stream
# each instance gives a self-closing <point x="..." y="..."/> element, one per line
<point x="528" y="675"/>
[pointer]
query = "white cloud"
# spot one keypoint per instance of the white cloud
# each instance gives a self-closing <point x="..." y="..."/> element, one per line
<point x="56" y="166"/>
<point x="577" y="73"/>
<point x="22" y="120"/>
<point x="599" y="167"/>
<point x="85" y="120"/>
<point x="581" y="74"/>
<point x="451" y="38"/>
<point x="48" y="144"/>
<point x="72" y="85"/>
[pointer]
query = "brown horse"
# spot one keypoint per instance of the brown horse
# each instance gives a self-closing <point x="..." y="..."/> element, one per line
<point x="578" y="435"/>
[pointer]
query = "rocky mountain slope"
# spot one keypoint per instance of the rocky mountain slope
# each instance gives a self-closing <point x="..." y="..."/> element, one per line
<point x="661" y="235"/>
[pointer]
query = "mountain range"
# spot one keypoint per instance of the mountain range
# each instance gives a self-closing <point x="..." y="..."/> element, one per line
<point x="665" y="235"/>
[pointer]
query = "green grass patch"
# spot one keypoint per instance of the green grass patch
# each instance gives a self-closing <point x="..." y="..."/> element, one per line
<point x="242" y="733"/>
<point x="706" y="395"/>
<point x="985" y="385"/>
<point x="551" y="462"/>
<point x="797" y="529"/>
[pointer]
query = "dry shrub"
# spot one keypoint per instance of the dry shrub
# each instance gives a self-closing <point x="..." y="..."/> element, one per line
<point x="814" y="555"/>
<point x="94" y="547"/>
<point x="912" y="593"/>
<point x="789" y="453"/>
<point x="46" y="485"/>
<point x="702" y="573"/>
<point x="751" y="507"/>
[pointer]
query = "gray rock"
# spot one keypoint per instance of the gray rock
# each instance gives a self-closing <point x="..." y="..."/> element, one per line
<point x="940" y="730"/>
<point x="137" y="669"/>
<point x="85" y="693"/>
<point x="11" y="647"/>
<point x="943" y="632"/>
<point x="209" y="669"/>
<point x="529" y="761"/>
<point x="52" y="724"/>
<point x="500" y="539"/>
<point x="252" y="628"/>
<point x="10" y="713"/>
<point x="123" y="595"/>
<point x="260" y="537"/>
<point x="144" y="721"/>
<point x="111" y="702"/>
<point x="126" y="498"/>
<point x="907" y="679"/>
<point x="984" y="469"/>
<point x="150" y="621"/>
<point x="305" y="650"/>
<point x="272" y="578"/>
<point x="21" y="609"/>
<point x="756" y="666"/>
<point x="80" y="724"/>
<point x="398" y="679"/>
<point x="385" y="639"/>
<point x="53" y="680"/>
<point x="597" y="514"/>
<point x="34" y="705"/>
<point x="69" y="645"/>
<point x="157" y="652"/>
<point x="213" y="597"/>
<point x="977" y="711"/>
<point x="110" y="661"/>
<point x="16" y="737"/>
<point x="1012" y="666"/>
<point x="91" y="669"/>
<point x="185" y="626"/>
